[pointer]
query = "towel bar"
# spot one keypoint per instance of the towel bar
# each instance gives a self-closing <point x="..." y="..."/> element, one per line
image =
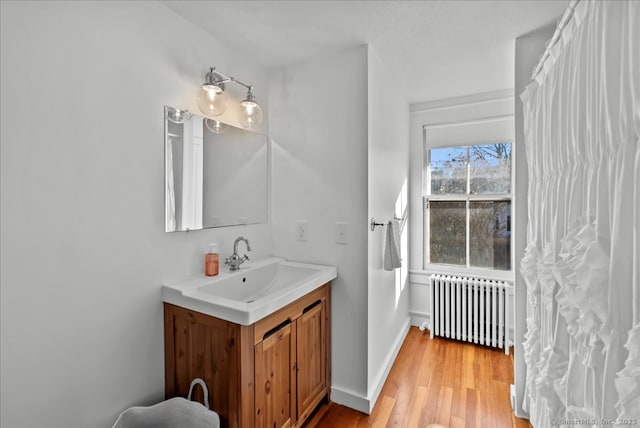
<point x="373" y="224"/>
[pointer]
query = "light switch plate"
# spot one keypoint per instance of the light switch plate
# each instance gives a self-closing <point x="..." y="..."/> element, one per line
<point x="342" y="236"/>
<point x="301" y="230"/>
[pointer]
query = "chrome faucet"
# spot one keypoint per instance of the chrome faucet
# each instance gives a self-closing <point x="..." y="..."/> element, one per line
<point x="234" y="260"/>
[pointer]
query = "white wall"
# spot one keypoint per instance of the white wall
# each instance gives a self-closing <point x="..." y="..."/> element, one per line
<point x="388" y="173"/>
<point x="83" y="249"/>
<point x="340" y="148"/>
<point x="528" y="49"/>
<point x="318" y="126"/>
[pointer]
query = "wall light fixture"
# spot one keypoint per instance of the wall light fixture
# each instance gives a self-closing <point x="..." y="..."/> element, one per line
<point x="212" y="100"/>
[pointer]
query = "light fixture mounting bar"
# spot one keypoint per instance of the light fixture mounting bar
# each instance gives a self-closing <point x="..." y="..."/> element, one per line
<point x="225" y="78"/>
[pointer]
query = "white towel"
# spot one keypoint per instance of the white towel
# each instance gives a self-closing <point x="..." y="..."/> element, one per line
<point x="392" y="256"/>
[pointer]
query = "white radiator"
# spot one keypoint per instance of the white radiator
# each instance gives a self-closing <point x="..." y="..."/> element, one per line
<point x="470" y="309"/>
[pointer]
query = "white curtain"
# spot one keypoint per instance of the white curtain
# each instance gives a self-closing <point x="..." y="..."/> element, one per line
<point x="582" y="131"/>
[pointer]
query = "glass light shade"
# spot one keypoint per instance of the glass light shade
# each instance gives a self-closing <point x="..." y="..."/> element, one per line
<point x="250" y="114"/>
<point x="212" y="100"/>
<point x="215" y="126"/>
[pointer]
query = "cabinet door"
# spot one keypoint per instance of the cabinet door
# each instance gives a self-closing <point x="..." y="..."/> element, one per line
<point x="198" y="345"/>
<point x="311" y="340"/>
<point x="275" y="379"/>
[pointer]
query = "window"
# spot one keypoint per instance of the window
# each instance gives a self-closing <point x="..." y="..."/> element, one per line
<point x="467" y="206"/>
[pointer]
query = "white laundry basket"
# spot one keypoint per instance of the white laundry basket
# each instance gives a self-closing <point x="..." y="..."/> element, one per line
<point x="173" y="413"/>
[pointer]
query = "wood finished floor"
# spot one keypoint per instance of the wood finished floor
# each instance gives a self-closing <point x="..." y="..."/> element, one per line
<point x="436" y="381"/>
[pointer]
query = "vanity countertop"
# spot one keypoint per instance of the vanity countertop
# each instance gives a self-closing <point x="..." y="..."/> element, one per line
<point x="251" y="293"/>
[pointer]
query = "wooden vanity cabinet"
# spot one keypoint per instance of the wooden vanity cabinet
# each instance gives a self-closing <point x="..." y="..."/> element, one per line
<point x="273" y="373"/>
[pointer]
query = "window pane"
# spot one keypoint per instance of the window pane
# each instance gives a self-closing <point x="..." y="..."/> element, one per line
<point x="490" y="168"/>
<point x="447" y="225"/>
<point x="490" y="234"/>
<point x="448" y="171"/>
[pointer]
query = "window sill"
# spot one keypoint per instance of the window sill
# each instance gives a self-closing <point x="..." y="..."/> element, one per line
<point x="421" y="276"/>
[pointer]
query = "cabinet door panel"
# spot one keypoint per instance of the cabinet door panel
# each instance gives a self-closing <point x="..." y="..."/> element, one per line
<point x="204" y="347"/>
<point x="311" y="359"/>
<point x="275" y="377"/>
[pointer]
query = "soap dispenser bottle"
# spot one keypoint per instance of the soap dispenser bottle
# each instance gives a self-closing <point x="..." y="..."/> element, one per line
<point x="211" y="261"/>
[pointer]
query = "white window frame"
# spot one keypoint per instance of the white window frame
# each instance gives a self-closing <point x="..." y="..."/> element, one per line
<point x="467" y="198"/>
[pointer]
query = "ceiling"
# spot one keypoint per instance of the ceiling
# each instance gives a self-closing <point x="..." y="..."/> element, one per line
<point x="437" y="49"/>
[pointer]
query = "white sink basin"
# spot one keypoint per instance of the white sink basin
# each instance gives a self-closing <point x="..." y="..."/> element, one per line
<point x="251" y="293"/>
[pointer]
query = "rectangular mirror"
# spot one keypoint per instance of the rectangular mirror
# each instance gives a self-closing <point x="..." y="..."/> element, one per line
<point x="215" y="174"/>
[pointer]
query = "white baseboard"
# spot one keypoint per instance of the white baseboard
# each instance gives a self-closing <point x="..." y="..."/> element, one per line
<point x="377" y="384"/>
<point x="350" y="399"/>
<point x="418" y="318"/>
<point x="363" y="404"/>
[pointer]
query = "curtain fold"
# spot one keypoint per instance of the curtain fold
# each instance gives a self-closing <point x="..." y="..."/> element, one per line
<point x="580" y="266"/>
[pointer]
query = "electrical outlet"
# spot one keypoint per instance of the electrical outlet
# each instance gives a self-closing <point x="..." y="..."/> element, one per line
<point x="341" y="233"/>
<point x="301" y="230"/>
